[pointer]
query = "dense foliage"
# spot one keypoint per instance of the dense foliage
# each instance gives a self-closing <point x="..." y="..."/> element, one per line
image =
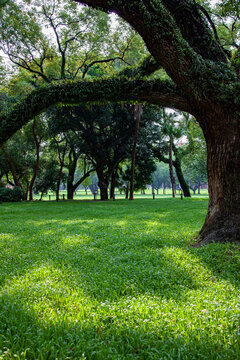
<point x="11" y="194"/>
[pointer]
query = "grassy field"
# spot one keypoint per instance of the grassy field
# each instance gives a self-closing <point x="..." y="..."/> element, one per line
<point x="116" y="280"/>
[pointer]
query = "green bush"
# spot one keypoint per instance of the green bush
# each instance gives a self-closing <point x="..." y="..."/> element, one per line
<point x="11" y="194"/>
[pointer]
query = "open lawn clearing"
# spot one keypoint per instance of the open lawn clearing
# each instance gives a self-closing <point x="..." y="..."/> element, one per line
<point x="115" y="280"/>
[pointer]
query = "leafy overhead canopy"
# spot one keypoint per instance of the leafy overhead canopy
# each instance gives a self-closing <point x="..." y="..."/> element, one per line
<point x="61" y="40"/>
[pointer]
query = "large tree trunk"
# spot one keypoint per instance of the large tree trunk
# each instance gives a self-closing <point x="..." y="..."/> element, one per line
<point x="223" y="142"/>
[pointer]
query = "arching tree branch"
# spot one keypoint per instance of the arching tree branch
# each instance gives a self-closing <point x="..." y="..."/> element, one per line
<point x="158" y="92"/>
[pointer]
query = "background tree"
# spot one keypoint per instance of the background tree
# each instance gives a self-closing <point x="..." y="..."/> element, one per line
<point x="195" y="156"/>
<point x="104" y="136"/>
<point x="161" y="177"/>
<point x="172" y="126"/>
<point x="47" y="177"/>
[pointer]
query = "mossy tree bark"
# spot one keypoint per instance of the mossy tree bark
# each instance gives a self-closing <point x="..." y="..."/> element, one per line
<point x="223" y="142"/>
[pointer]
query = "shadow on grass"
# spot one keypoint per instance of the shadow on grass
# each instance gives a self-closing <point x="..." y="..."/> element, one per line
<point x="120" y="249"/>
<point x="23" y="335"/>
<point x="114" y="252"/>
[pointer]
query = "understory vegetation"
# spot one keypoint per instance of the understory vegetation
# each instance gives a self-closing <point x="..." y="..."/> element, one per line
<point x="117" y="280"/>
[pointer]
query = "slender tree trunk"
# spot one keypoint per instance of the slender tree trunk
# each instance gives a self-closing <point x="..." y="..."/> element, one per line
<point x="85" y="176"/>
<point x="8" y="180"/>
<point x="37" y="161"/>
<point x="223" y="142"/>
<point x="27" y="190"/>
<point x="163" y="189"/>
<point x="61" y="157"/>
<point x="178" y="168"/>
<point x="12" y="168"/>
<point x="71" y="172"/>
<point x="113" y="183"/>
<point x="171" y="167"/>
<point x="138" y="111"/>
<point x="127" y="191"/>
<point x="59" y="180"/>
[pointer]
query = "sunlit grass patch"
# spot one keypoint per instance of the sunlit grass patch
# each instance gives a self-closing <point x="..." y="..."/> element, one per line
<point x="117" y="280"/>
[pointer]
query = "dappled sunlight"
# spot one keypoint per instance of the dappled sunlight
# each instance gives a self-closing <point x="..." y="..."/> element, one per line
<point x="51" y="299"/>
<point x="73" y="240"/>
<point x="122" y="223"/>
<point x="78" y="221"/>
<point x="80" y="279"/>
<point x="6" y="237"/>
<point x="50" y="293"/>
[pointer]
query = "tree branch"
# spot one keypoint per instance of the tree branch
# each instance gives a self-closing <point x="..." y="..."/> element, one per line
<point x="86" y="175"/>
<point x="176" y="34"/>
<point x="163" y="93"/>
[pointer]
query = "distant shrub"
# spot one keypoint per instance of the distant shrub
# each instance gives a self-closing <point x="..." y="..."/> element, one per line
<point x="10" y="194"/>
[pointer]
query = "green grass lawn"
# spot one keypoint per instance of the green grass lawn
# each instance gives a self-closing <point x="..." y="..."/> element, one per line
<point x="116" y="280"/>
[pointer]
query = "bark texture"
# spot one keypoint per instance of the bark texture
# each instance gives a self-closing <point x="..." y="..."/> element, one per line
<point x="223" y="217"/>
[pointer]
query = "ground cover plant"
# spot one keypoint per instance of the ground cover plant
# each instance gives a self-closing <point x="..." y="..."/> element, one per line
<point x="116" y="280"/>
